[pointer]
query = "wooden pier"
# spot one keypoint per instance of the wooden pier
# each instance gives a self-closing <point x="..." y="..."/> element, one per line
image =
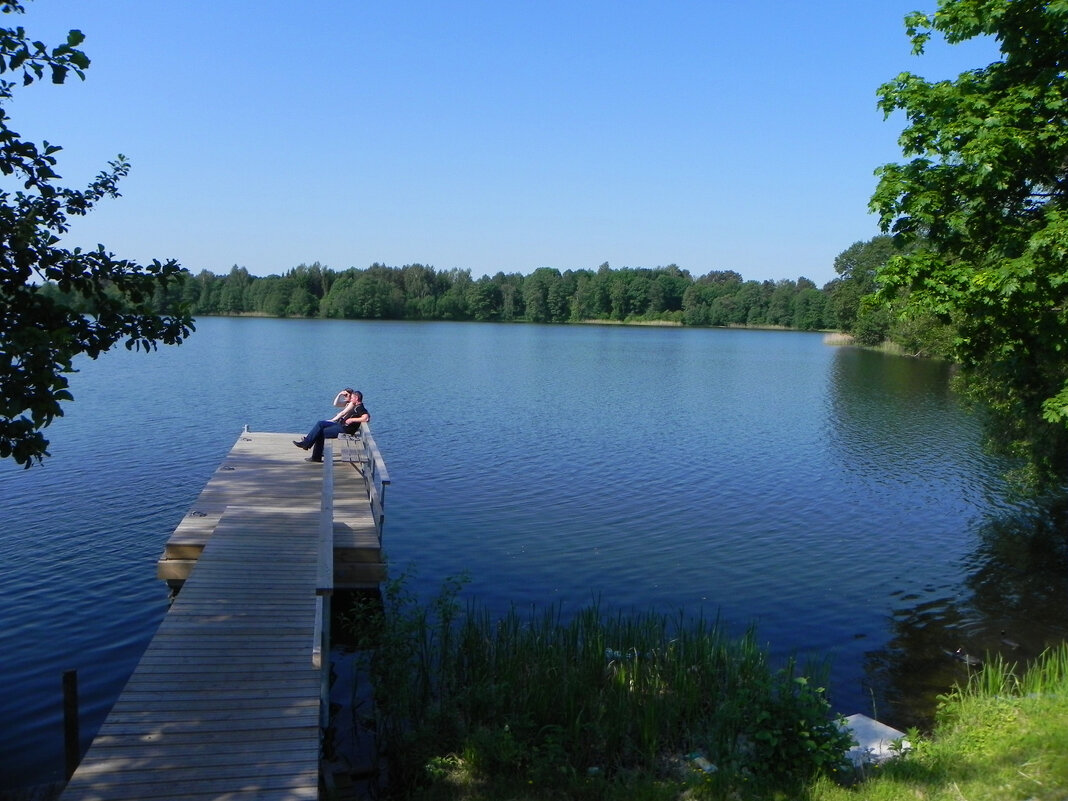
<point x="226" y="701"/>
<point x="266" y="470"/>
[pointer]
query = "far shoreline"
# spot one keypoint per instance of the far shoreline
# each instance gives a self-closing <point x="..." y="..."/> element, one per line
<point x="589" y="321"/>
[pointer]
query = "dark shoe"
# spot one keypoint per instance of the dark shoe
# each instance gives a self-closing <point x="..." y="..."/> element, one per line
<point x="300" y="444"/>
<point x="312" y="459"/>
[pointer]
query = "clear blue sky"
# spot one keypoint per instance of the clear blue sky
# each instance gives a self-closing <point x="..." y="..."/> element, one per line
<point x="499" y="135"/>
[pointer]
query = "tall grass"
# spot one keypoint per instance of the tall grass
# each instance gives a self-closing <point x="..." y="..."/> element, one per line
<point x="583" y="704"/>
<point x="998" y="679"/>
<point x="1002" y="735"/>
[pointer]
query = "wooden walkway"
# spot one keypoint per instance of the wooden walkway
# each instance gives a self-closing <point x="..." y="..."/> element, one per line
<point x="267" y="469"/>
<point x="225" y="702"/>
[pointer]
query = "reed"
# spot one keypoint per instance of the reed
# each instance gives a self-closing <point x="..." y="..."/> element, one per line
<point x="1049" y="674"/>
<point x="539" y="701"/>
<point x="838" y="338"/>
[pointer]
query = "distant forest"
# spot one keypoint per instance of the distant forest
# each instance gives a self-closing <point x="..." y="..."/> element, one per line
<point x="416" y="292"/>
<point x="628" y="295"/>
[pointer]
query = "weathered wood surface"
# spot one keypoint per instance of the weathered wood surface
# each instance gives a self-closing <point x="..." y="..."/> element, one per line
<point x="265" y="467"/>
<point x="225" y="701"/>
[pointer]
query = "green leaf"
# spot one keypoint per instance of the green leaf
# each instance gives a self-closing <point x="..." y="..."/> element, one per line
<point x="100" y="294"/>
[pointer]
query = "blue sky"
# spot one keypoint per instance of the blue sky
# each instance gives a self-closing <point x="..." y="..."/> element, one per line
<point x="489" y="136"/>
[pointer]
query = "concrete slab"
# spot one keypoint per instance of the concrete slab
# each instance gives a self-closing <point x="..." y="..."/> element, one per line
<point x="874" y="740"/>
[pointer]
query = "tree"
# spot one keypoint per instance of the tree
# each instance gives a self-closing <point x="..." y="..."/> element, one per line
<point x="302" y="303"/>
<point x="536" y="293"/>
<point x="484" y="299"/>
<point x="809" y="307"/>
<point x="986" y="197"/>
<point x="452" y="304"/>
<point x="781" y="304"/>
<point x="234" y="291"/>
<point x="558" y="299"/>
<point x="856" y="267"/>
<point x="41" y="332"/>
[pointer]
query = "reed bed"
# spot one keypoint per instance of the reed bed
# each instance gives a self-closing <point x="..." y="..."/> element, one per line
<point x="593" y="705"/>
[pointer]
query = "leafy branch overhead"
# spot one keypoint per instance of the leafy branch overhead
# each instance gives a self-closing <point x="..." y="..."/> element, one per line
<point x="42" y="332"/>
<point x="984" y="202"/>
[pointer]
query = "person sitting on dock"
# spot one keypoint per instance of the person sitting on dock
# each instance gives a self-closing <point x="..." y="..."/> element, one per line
<point x="347" y="421"/>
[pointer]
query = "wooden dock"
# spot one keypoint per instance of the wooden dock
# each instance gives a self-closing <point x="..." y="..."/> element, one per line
<point x="266" y="469"/>
<point x="226" y="700"/>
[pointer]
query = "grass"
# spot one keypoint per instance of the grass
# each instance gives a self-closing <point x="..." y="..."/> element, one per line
<point x="1004" y="736"/>
<point x="534" y="706"/>
<point x="636" y="707"/>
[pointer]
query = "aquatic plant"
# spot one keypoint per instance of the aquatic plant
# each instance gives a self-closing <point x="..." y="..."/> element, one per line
<point x="533" y="700"/>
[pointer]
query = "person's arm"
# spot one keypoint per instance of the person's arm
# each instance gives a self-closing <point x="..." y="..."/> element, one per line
<point x="360" y="418"/>
<point x="349" y="408"/>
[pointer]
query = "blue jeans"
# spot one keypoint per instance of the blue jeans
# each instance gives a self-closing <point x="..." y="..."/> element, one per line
<point x="324" y="429"/>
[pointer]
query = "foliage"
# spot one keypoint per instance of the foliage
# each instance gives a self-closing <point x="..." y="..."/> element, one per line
<point x="1003" y="735"/>
<point x="856" y="267"/>
<point x="853" y="303"/>
<point x="417" y="292"/>
<point x="590" y="707"/>
<point x="56" y="304"/>
<point x="984" y="200"/>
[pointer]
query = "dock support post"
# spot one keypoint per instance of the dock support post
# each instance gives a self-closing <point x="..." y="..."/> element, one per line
<point x="71" y="744"/>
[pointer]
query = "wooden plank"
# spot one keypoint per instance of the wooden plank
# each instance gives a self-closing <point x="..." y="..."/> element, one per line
<point x="230" y="663"/>
<point x="131" y="771"/>
<point x="156" y="744"/>
<point x="223" y="697"/>
<point x="296" y="787"/>
<point x="224" y="702"/>
<point x="219" y="752"/>
<point x="209" y="716"/>
<point x="260" y="460"/>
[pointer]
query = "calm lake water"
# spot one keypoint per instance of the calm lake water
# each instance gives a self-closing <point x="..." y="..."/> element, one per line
<point x="838" y="500"/>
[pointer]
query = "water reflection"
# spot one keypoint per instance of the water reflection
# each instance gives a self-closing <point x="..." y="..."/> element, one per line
<point x="1002" y="589"/>
<point x="890" y="413"/>
<point x="1012" y="601"/>
<point x="838" y="498"/>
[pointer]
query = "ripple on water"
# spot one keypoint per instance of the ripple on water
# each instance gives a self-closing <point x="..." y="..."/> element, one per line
<point x="836" y="498"/>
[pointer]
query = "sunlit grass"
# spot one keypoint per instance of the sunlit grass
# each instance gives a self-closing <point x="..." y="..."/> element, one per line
<point x="1003" y="736"/>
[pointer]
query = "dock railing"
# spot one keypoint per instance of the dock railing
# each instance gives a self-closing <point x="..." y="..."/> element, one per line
<point x="362" y="452"/>
<point x="324" y="585"/>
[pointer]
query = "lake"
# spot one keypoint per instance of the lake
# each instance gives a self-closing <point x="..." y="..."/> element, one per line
<point x="838" y="500"/>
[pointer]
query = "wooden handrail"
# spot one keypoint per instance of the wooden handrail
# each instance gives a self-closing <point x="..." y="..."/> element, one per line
<point x="378" y="464"/>
<point x="324" y="582"/>
<point x="324" y="574"/>
<point x="376" y="476"/>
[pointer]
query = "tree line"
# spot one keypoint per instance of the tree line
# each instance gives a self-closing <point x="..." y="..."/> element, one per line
<point x="547" y="295"/>
<point x="628" y="295"/>
<point x="973" y="265"/>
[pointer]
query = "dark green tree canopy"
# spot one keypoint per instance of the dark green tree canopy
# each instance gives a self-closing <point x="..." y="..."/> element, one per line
<point x="984" y="199"/>
<point x="57" y="303"/>
<point x="419" y="292"/>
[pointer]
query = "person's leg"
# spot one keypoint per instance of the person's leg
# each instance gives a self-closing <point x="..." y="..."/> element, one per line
<point x="327" y="431"/>
<point x="312" y="435"/>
